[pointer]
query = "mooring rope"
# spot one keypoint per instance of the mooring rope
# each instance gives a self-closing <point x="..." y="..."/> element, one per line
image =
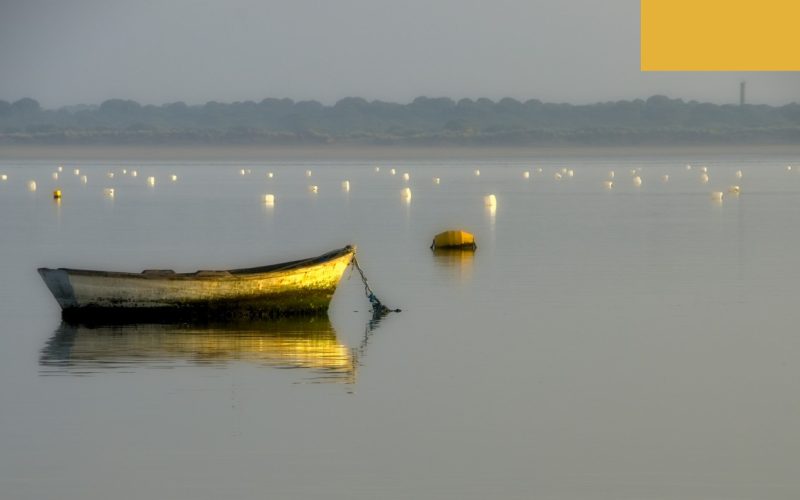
<point x="377" y="305"/>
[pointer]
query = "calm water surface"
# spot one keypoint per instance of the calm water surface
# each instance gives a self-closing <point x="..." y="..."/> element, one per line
<point x="623" y="343"/>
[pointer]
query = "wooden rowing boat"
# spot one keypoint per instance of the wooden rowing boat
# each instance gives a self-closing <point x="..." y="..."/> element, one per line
<point x="299" y="287"/>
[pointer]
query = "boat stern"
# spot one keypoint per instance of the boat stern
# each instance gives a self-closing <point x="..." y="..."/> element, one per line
<point x="57" y="280"/>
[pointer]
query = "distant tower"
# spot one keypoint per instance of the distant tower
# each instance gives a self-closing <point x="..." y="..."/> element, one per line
<point x="742" y="86"/>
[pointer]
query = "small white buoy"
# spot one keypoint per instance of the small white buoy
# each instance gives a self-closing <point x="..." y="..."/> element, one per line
<point x="406" y="194"/>
<point x="564" y="171"/>
<point x="377" y="169"/>
<point x="124" y="171"/>
<point x="108" y="192"/>
<point x="665" y="178"/>
<point x="269" y="199"/>
<point x="249" y="171"/>
<point x="704" y="178"/>
<point x="739" y="174"/>
<point x="134" y="173"/>
<point x="490" y="200"/>
<point x="608" y="184"/>
<point x="31" y="186"/>
<point x="570" y="173"/>
<point x="111" y="175"/>
<point x="346" y="186"/>
<point x="716" y="195"/>
<point x="151" y="181"/>
<point x="637" y="181"/>
<point x="734" y="189"/>
<point x="539" y="170"/>
<point x="477" y="173"/>
<point x="437" y="180"/>
<point x="3" y="177"/>
<point x="173" y="177"/>
<point x="308" y="173"/>
<point x="406" y="176"/>
<point x="688" y="167"/>
<point x="704" y="169"/>
<point x="84" y="179"/>
<point x="77" y="171"/>
<point x="60" y="168"/>
<point x="392" y="171"/>
<point x="611" y="174"/>
<point x="526" y="175"/>
<point x="313" y="189"/>
<point x="633" y="171"/>
<point x="788" y="168"/>
<point x="242" y="172"/>
<point x="55" y="176"/>
<point x="270" y="175"/>
<point x="557" y="176"/>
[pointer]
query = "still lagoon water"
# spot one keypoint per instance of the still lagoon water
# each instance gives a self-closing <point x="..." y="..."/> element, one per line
<point x="637" y="341"/>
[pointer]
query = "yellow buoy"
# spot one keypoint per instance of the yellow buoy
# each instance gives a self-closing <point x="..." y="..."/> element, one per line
<point x="313" y="189"/>
<point x="734" y="189"/>
<point x="77" y="171"/>
<point x="84" y="179"/>
<point x="704" y="178"/>
<point x="269" y="199"/>
<point x="490" y="200"/>
<point x="739" y="174"/>
<point x="32" y="186"/>
<point x="151" y="181"/>
<point x="134" y="173"/>
<point x="173" y="177"/>
<point x="108" y="192"/>
<point x="346" y="186"/>
<point x="608" y="184"/>
<point x="406" y="176"/>
<point x="270" y="175"/>
<point x="526" y="175"/>
<point x="3" y="177"/>
<point x="454" y="239"/>
<point x="637" y="181"/>
<point x="57" y="194"/>
<point x="437" y="180"/>
<point x="716" y="195"/>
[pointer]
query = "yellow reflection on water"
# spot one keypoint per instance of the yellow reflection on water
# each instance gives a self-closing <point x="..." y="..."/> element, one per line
<point x="459" y="261"/>
<point x="309" y="343"/>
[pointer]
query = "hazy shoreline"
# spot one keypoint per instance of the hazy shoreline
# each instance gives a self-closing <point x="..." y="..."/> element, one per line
<point x="365" y="153"/>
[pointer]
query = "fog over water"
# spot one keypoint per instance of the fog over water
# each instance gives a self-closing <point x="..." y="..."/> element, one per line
<point x="86" y="51"/>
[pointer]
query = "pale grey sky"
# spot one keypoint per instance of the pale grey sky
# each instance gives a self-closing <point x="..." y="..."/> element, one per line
<point x="155" y="51"/>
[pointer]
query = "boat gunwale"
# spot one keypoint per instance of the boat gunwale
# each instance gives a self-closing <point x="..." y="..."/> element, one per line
<point x="240" y="273"/>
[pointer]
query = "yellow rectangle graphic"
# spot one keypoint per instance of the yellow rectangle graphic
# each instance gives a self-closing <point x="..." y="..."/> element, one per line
<point x="720" y="35"/>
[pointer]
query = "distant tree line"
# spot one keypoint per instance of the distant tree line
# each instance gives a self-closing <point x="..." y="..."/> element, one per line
<point x="425" y="121"/>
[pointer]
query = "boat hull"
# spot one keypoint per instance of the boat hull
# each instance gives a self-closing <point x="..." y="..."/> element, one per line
<point x="296" y="288"/>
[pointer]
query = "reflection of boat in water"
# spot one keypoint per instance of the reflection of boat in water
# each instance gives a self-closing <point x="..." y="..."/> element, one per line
<point x="307" y="343"/>
<point x="290" y="288"/>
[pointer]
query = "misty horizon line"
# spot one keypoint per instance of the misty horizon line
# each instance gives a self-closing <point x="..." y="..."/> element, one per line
<point x="351" y="99"/>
